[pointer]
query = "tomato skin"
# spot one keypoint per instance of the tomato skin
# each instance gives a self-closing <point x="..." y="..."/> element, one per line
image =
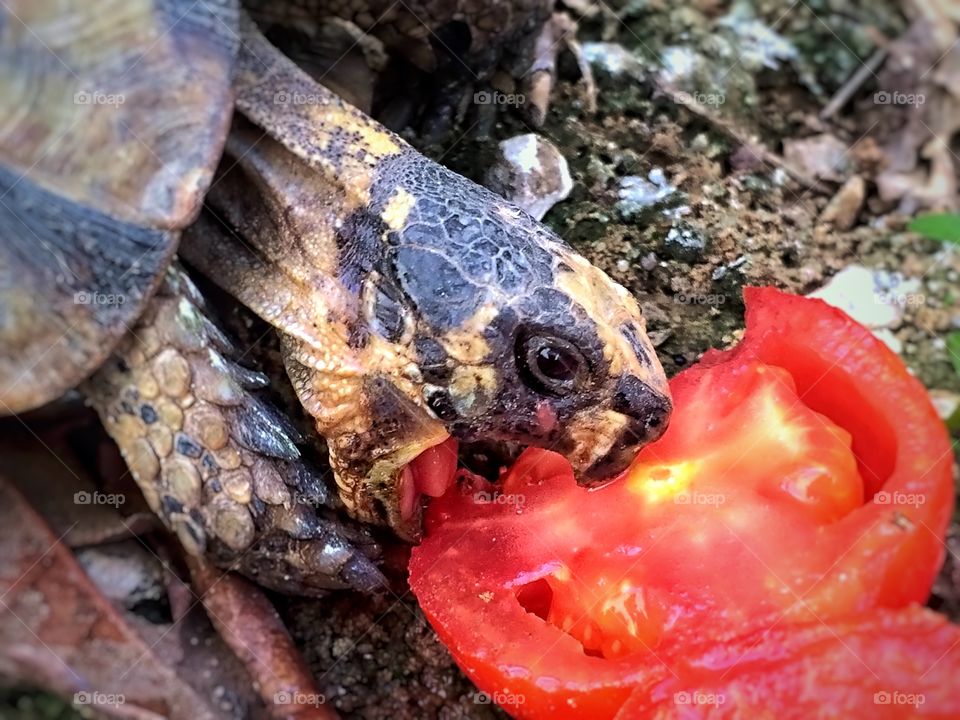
<point x="845" y="373"/>
<point x="624" y="585"/>
<point x="888" y="664"/>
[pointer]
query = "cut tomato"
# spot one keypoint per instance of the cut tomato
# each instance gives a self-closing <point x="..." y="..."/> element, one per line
<point x="889" y="665"/>
<point x="805" y="478"/>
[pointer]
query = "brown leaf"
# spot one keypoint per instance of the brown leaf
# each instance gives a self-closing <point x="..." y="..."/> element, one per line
<point x="59" y="632"/>
<point x="918" y="112"/>
<point x="250" y="625"/>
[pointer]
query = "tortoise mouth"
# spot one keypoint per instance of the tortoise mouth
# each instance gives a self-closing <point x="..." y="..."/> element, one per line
<point x="431" y="473"/>
<point x="435" y="470"/>
<point x="489" y="458"/>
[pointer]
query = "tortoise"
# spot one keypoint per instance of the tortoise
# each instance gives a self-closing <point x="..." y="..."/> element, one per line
<point x="414" y="308"/>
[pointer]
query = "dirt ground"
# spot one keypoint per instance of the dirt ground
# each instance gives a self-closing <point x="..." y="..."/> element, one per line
<point x="736" y="203"/>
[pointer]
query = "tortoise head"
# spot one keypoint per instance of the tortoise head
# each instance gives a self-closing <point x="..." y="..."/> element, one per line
<point x="517" y="338"/>
<point x="413" y="304"/>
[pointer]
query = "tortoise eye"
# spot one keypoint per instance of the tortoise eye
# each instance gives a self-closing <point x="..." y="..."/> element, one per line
<point x="549" y="364"/>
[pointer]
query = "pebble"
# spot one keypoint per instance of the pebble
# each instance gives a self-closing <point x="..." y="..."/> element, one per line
<point x="760" y="46"/>
<point x="679" y="64"/>
<point x="685" y="243"/>
<point x="612" y="59"/>
<point x="889" y="339"/>
<point x="638" y="193"/>
<point x="947" y="403"/>
<point x="844" y="207"/>
<point x="531" y="172"/>
<point x="874" y="298"/>
<point x="720" y="273"/>
<point x="125" y="572"/>
<point x="820" y="156"/>
<point x="659" y="337"/>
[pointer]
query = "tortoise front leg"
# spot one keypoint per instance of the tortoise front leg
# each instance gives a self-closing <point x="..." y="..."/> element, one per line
<point x="217" y="463"/>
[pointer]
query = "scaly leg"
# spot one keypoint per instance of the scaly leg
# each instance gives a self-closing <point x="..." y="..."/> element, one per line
<point x="217" y="463"/>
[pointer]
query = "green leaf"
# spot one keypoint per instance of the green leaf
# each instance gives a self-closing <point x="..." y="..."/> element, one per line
<point x="953" y="350"/>
<point x="953" y="422"/>
<point x="944" y="227"/>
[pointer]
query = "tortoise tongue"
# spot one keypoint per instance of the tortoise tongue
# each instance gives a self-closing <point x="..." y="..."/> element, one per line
<point x="435" y="468"/>
<point x="431" y="473"/>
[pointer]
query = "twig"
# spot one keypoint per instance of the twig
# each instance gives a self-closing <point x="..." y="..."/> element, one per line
<point x="842" y="96"/>
<point x="759" y="151"/>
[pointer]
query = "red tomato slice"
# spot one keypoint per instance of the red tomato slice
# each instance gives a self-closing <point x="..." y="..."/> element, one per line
<point x="887" y="665"/>
<point x="759" y="507"/>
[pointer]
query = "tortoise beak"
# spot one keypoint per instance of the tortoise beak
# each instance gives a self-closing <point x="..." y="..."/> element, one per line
<point x="648" y="412"/>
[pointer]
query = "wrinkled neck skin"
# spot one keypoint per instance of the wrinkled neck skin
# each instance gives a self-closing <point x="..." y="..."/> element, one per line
<point x="402" y="290"/>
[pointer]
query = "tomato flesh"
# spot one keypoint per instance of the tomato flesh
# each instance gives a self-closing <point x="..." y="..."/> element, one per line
<point x="884" y="665"/>
<point x="804" y="479"/>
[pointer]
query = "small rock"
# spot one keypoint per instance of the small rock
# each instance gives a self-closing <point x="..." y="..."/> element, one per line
<point x="125" y="572"/>
<point x="760" y="46"/>
<point x="659" y="337"/>
<point x="719" y="273"/>
<point x="874" y="298"/>
<point x="638" y="193"/>
<point x="820" y="156"/>
<point x="649" y="261"/>
<point x="685" y="243"/>
<point x="843" y="208"/>
<point x="623" y="266"/>
<point x="746" y="159"/>
<point x="531" y="172"/>
<point x="679" y="64"/>
<point x="612" y="59"/>
<point x="889" y="339"/>
<point x="947" y="403"/>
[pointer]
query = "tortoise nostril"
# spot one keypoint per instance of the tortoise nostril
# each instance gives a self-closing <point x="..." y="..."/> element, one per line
<point x="648" y="408"/>
<point x="656" y="423"/>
